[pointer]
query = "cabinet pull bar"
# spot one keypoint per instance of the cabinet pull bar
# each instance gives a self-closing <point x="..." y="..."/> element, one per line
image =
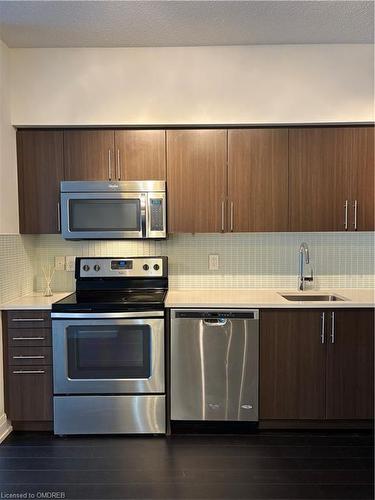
<point x="322" y="329"/>
<point x="20" y="320"/>
<point x="118" y="165"/>
<point x="222" y="216"/>
<point x="332" y="328"/>
<point x="355" y="214"/>
<point x="109" y="165"/>
<point x="27" y="338"/>
<point x="28" y="372"/>
<point x="58" y="218"/>
<point x="346" y="215"/>
<point x="28" y="357"/>
<point x="231" y="216"/>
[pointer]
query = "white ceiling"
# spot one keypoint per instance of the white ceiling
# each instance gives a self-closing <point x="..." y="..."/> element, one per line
<point x="183" y="23"/>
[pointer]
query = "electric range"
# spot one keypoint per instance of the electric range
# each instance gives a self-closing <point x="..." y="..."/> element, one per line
<point x="108" y="348"/>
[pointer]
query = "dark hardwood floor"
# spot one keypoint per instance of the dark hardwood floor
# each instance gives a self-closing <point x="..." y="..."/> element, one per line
<point x="264" y="465"/>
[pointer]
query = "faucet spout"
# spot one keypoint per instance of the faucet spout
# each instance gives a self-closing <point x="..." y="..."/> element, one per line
<point x="304" y="258"/>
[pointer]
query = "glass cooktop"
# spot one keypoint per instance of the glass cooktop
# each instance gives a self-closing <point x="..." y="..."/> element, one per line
<point x="112" y="300"/>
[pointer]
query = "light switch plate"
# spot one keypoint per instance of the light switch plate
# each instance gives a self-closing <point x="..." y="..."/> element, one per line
<point x="59" y="262"/>
<point x="213" y="262"/>
<point x="70" y="262"/>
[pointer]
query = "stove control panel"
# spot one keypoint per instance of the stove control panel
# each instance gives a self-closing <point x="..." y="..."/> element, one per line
<point x="122" y="267"/>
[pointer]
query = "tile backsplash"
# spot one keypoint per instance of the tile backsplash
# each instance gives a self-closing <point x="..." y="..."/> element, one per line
<point x="16" y="266"/>
<point x="257" y="260"/>
<point x="261" y="260"/>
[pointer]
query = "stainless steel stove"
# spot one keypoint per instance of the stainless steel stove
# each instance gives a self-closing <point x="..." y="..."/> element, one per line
<point x="108" y="348"/>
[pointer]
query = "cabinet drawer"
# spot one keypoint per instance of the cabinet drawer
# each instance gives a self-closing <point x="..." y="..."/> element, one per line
<point x="29" y="319"/>
<point x="29" y="356"/>
<point x="30" y="390"/>
<point x="33" y="337"/>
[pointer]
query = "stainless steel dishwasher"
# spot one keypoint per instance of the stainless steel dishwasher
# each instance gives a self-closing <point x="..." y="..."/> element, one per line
<point x="214" y="364"/>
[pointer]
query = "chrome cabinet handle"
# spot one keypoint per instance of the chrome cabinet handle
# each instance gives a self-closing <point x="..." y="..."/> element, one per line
<point x="28" y="357"/>
<point x="27" y="319"/>
<point x="332" y="328"/>
<point x="58" y="217"/>
<point x="27" y="338"/>
<point x="231" y="216"/>
<point x="222" y="216"/>
<point x="109" y="165"/>
<point x="355" y="214"/>
<point x="346" y="215"/>
<point x="322" y="329"/>
<point x="28" y="372"/>
<point x="118" y="165"/>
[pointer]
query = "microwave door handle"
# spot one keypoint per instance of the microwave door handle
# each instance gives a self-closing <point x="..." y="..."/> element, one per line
<point x="143" y="216"/>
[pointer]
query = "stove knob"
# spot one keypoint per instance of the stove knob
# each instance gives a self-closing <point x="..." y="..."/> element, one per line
<point x="86" y="267"/>
<point x="146" y="267"/>
<point x="96" y="267"/>
<point x="156" y="267"/>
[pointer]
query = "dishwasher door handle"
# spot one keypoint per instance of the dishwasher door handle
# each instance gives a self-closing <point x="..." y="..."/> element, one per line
<point x="215" y="322"/>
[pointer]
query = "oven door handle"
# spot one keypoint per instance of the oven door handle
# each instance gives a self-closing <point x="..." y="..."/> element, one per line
<point x="113" y="315"/>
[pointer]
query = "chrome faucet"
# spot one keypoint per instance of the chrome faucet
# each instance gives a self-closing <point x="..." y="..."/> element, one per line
<point x="304" y="258"/>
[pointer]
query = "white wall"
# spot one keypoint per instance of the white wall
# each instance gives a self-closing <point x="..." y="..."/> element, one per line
<point x="243" y="84"/>
<point x="8" y="170"/>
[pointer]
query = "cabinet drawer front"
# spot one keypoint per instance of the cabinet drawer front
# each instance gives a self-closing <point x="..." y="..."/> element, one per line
<point x="29" y="356"/>
<point x="30" y="393"/>
<point x="29" y="319"/>
<point x="34" y="337"/>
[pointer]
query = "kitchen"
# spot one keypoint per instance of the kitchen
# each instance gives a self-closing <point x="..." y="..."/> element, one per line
<point x="200" y="204"/>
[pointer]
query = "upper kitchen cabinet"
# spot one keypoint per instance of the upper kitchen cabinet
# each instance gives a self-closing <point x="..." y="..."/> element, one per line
<point x="331" y="179"/>
<point x="140" y="155"/>
<point x="89" y="155"/>
<point x="40" y="170"/>
<point x="196" y="175"/>
<point x="258" y="180"/>
<point x="362" y="200"/>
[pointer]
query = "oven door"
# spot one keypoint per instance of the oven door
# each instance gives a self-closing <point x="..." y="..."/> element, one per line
<point x="108" y="356"/>
<point x="103" y="215"/>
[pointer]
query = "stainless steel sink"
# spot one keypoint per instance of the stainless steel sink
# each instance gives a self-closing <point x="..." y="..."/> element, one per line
<point x="312" y="297"/>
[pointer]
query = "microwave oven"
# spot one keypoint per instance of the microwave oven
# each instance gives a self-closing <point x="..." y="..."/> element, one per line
<point x="113" y="210"/>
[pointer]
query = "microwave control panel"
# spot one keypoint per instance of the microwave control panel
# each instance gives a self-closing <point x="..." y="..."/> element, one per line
<point x="156" y="214"/>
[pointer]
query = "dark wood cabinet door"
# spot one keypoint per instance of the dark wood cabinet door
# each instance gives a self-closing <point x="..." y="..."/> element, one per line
<point x="363" y="179"/>
<point x="319" y="178"/>
<point x="30" y="393"/>
<point x="196" y="180"/>
<point x="40" y="170"/>
<point x="89" y="155"/>
<point x="140" y="155"/>
<point x="258" y="179"/>
<point x="292" y="365"/>
<point x="350" y="364"/>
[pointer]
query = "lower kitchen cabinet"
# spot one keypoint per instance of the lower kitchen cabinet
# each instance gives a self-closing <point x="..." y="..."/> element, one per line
<point x="292" y="365"/>
<point x="316" y="364"/>
<point x="28" y="376"/>
<point x="30" y="393"/>
<point x="350" y="364"/>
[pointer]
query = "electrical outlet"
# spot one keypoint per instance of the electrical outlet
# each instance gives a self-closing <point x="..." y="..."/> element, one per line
<point x="213" y="262"/>
<point x="59" y="262"/>
<point x="70" y="262"/>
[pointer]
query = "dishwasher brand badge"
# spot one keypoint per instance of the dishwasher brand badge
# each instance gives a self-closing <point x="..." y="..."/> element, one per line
<point x="247" y="407"/>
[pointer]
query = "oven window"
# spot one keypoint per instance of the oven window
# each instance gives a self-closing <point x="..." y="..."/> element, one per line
<point x="104" y="215"/>
<point x="109" y="352"/>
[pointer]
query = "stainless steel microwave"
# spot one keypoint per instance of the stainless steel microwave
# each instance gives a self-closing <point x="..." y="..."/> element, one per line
<point x="113" y="210"/>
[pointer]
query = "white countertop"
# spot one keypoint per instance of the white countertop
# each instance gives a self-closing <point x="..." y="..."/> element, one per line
<point x="33" y="301"/>
<point x="266" y="298"/>
<point x="258" y="298"/>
